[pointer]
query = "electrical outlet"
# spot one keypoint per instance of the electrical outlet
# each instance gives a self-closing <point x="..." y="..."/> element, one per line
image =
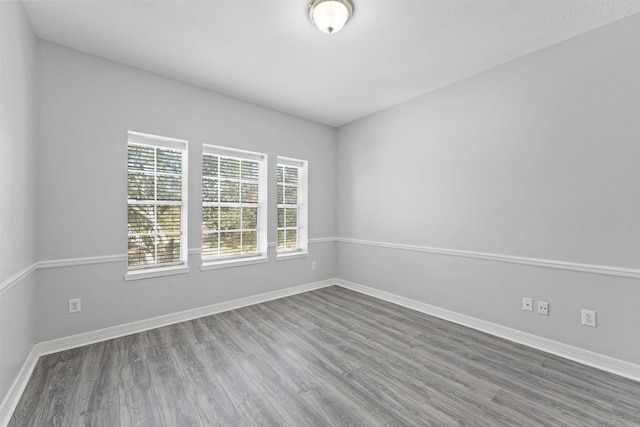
<point x="543" y="308"/>
<point x="75" y="305"/>
<point x="527" y="304"/>
<point x="589" y="318"/>
<point x="314" y="265"/>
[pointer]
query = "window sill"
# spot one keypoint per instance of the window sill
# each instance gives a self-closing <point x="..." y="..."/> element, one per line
<point x="234" y="262"/>
<point x="156" y="272"/>
<point x="292" y="255"/>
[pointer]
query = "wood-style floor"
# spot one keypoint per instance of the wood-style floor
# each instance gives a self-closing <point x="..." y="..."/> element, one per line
<point x="329" y="357"/>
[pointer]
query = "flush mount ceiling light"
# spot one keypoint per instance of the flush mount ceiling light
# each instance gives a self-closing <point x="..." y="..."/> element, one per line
<point x="330" y="15"/>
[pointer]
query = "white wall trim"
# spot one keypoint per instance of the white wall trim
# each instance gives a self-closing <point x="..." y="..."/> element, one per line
<point x="12" y="397"/>
<point x="12" y="280"/>
<point x="233" y="262"/>
<point x="536" y="262"/>
<point x="79" y="340"/>
<point x="72" y="262"/>
<point x="586" y="357"/>
<point x="105" y="259"/>
<point x="310" y="241"/>
<point x="323" y="240"/>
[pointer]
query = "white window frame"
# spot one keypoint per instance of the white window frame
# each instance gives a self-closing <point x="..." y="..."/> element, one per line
<point x="261" y="255"/>
<point x="302" y="249"/>
<point x="181" y="266"/>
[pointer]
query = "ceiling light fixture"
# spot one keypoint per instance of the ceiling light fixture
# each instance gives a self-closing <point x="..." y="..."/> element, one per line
<point x="330" y="15"/>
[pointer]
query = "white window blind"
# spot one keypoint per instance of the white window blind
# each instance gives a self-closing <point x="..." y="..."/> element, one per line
<point x="291" y="195"/>
<point x="156" y="177"/>
<point x="233" y="193"/>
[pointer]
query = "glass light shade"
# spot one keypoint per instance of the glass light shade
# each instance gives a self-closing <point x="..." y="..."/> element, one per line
<point x="330" y="15"/>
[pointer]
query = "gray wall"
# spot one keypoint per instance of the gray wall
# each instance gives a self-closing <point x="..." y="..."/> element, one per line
<point x="17" y="190"/>
<point x="536" y="158"/>
<point x="87" y="105"/>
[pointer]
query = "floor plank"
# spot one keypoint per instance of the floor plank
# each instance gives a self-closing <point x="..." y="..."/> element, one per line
<point x="174" y="401"/>
<point x="137" y="397"/>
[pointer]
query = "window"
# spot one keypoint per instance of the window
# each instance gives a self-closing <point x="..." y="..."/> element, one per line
<point x="233" y="201"/>
<point x="292" y="206"/>
<point x="157" y="202"/>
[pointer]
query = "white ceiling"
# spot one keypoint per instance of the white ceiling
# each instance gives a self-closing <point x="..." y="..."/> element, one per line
<point x="268" y="52"/>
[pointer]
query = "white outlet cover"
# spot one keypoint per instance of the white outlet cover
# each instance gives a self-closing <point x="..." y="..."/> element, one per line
<point x="589" y="318"/>
<point x="75" y="305"/>
<point x="543" y="308"/>
<point x="527" y="304"/>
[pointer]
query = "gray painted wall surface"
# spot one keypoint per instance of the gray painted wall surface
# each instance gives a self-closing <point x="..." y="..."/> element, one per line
<point x="87" y="106"/>
<point x="17" y="188"/>
<point x="536" y="158"/>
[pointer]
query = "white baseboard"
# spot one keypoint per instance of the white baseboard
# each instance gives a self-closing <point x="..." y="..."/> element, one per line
<point x="112" y="332"/>
<point x="586" y="357"/>
<point x="10" y="401"/>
